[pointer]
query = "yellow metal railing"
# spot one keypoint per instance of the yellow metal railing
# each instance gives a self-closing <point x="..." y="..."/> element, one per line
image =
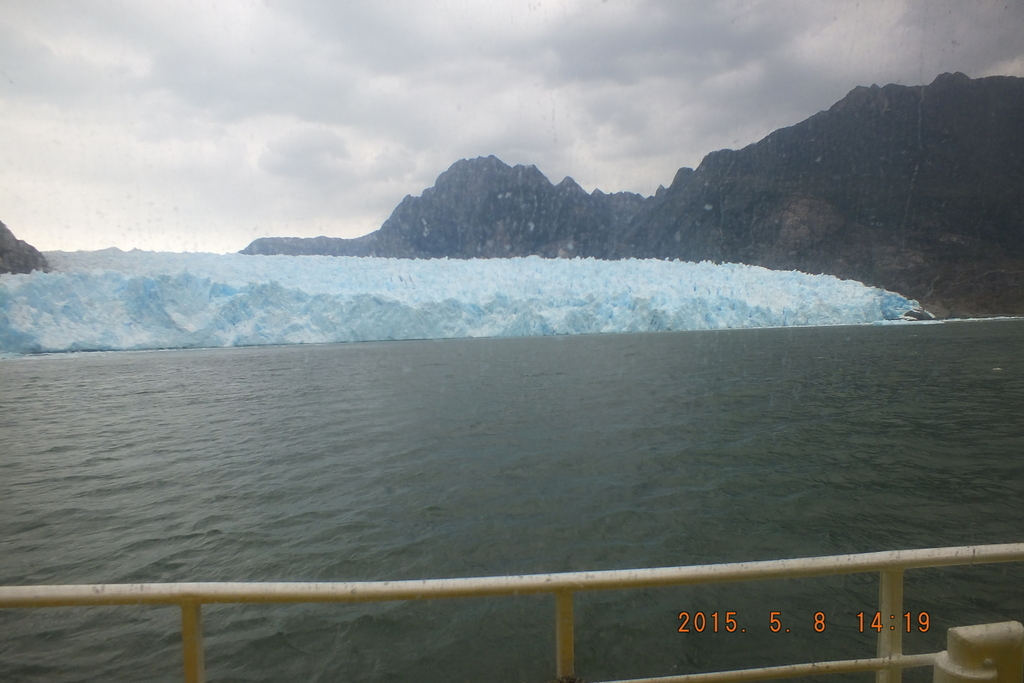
<point x="890" y="565"/>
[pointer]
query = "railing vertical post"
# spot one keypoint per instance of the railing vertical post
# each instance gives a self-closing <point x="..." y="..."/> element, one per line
<point x="890" y="606"/>
<point x="565" y="662"/>
<point x="192" y="642"/>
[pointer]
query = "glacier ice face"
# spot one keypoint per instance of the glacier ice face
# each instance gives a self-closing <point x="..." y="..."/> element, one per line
<point x="113" y="300"/>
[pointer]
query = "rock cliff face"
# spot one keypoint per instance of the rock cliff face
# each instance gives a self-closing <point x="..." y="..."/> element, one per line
<point x="484" y="208"/>
<point x="916" y="189"/>
<point x="18" y="256"/>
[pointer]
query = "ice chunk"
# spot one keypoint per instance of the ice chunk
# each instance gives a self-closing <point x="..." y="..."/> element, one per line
<point x="110" y="300"/>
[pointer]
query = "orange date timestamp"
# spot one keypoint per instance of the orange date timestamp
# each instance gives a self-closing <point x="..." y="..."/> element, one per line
<point x="730" y="622"/>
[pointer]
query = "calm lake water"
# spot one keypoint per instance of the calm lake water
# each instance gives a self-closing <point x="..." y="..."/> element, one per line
<point x="456" y="458"/>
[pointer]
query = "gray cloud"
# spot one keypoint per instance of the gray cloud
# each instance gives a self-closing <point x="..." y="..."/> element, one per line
<point x="203" y="125"/>
<point x="316" y="155"/>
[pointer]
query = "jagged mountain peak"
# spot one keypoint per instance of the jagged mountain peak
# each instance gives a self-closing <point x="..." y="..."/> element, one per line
<point x="489" y="168"/>
<point x="483" y="207"/>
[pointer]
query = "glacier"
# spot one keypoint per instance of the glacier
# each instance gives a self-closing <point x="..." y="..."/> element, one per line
<point x="116" y="300"/>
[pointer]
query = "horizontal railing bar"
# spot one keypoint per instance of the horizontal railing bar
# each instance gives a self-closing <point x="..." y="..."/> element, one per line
<point x="796" y="670"/>
<point x="379" y="591"/>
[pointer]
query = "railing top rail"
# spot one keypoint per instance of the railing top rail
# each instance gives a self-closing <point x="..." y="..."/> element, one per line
<point x="374" y="591"/>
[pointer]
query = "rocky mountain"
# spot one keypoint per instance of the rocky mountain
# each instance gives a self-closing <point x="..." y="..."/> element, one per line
<point x="18" y="256"/>
<point x="484" y="208"/>
<point x="916" y="189"/>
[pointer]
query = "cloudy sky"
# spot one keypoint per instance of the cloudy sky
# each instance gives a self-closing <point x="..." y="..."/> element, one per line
<point x="199" y="126"/>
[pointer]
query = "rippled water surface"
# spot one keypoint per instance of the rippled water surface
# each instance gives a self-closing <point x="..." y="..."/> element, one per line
<point x="477" y="457"/>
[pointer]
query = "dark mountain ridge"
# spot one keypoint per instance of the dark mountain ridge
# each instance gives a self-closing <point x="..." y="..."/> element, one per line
<point x="484" y="208"/>
<point x="916" y="189"/>
<point x="18" y="256"/>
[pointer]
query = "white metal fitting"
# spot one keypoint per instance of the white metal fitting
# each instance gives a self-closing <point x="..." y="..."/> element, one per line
<point x="983" y="653"/>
